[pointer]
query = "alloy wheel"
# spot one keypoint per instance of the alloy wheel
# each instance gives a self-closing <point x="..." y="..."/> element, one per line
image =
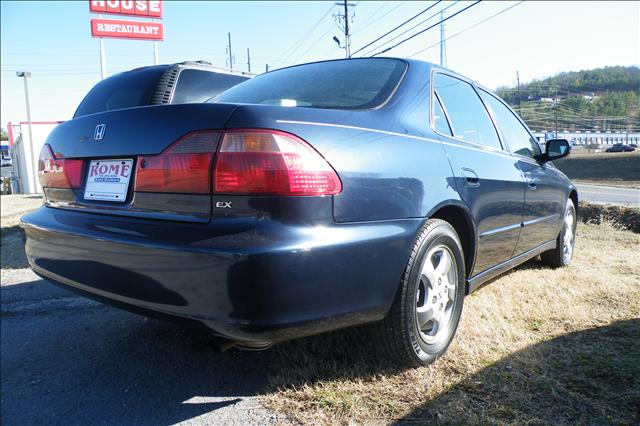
<point x="569" y="235"/>
<point x="436" y="294"/>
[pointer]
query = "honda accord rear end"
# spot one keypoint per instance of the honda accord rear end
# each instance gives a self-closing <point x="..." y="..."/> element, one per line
<point x="255" y="217"/>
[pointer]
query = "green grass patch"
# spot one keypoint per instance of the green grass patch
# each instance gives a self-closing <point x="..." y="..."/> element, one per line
<point x="617" y="167"/>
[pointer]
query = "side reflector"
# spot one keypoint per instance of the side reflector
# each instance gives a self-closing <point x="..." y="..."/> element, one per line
<point x="270" y="162"/>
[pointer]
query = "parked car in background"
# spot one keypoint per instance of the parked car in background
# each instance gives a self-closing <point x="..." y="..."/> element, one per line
<point x="633" y="145"/>
<point x="620" y="148"/>
<point x="5" y="161"/>
<point x="185" y="82"/>
<point x="311" y="198"/>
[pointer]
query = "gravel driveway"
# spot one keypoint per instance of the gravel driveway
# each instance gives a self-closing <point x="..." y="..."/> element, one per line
<point x="68" y="360"/>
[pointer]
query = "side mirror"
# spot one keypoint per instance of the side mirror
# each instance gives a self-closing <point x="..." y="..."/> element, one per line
<point x="555" y="149"/>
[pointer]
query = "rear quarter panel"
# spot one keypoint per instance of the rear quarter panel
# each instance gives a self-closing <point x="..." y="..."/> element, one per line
<point x="390" y="164"/>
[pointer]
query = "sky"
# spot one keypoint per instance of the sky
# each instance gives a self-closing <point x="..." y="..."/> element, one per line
<point x="53" y="40"/>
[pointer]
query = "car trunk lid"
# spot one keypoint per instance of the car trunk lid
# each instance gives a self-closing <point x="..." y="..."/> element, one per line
<point x="133" y="137"/>
<point x="137" y="131"/>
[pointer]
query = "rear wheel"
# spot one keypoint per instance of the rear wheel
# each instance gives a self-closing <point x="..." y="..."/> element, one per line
<point x="426" y="311"/>
<point x="565" y="243"/>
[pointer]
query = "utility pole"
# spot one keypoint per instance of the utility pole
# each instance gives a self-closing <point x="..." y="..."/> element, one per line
<point x="443" y="46"/>
<point x="345" y="28"/>
<point x="626" y="130"/>
<point x="103" y="59"/>
<point x="347" y="41"/>
<point x="229" y="50"/>
<point x="556" y="108"/>
<point x="156" y="56"/>
<point x="519" y="105"/>
<point x="266" y="67"/>
<point x="26" y="75"/>
<point x="248" y="61"/>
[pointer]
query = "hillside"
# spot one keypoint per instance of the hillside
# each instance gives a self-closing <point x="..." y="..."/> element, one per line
<point x="599" y="99"/>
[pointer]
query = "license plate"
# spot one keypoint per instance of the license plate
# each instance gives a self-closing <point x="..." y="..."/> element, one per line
<point x="108" y="180"/>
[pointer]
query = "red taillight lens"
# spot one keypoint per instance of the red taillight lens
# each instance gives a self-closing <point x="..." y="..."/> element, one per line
<point x="58" y="172"/>
<point x="271" y="162"/>
<point x="185" y="167"/>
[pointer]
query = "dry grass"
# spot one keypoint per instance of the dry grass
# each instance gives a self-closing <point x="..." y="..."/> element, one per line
<point x="14" y="206"/>
<point x="11" y="246"/>
<point x="536" y="346"/>
<point x="621" y="169"/>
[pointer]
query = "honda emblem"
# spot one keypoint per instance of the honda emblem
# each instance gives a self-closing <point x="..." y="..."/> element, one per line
<point x="99" y="132"/>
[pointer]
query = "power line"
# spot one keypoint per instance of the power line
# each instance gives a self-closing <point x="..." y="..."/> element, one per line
<point x="427" y="29"/>
<point x="296" y="45"/>
<point x="468" y="28"/>
<point x="534" y="106"/>
<point x="374" y="13"/>
<point x="402" y="24"/>
<point x="410" y="29"/>
<point x="363" y="27"/>
<point x="312" y="46"/>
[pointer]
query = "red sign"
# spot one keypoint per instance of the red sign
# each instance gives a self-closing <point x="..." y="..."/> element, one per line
<point x="127" y="29"/>
<point x="141" y="8"/>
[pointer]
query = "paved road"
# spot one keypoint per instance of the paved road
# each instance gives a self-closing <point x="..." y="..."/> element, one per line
<point x="68" y="360"/>
<point x="609" y="195"/>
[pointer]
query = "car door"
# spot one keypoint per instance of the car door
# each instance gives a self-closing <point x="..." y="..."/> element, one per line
<point x="545" y="197"/>
<point x="486" y="176"/>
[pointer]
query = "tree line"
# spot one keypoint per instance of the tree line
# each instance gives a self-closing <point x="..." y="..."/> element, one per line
<point x="599" y="99"/>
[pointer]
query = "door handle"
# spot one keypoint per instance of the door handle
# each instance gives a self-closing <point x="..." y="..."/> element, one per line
<point x="471" y="177"/>
<point x="531" y="182"/>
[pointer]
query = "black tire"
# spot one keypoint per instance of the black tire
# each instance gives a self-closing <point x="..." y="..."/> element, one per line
<point x="560" y="257"/>
<point x="399" y="334"/>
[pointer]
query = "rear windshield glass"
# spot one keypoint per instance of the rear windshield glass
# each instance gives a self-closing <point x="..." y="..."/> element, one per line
<point x="125" y="90"/>
<point x="352" y="84"/>
<point x="198" y="86"/>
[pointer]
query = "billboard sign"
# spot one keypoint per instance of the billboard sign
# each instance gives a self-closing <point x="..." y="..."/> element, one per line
<point x="136" y="30"/>
<point x="139" y="8"/>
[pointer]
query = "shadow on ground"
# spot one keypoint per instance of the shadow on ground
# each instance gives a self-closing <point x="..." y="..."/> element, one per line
<point x="66" y="359"/>
<point x="585" y="377"/>
<point x="69" y="360"/>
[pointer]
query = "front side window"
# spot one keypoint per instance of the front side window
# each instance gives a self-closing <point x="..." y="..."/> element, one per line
<point x="354" y="84"/>
<point x="468" y="116"/>
<point x="516" y="136"/>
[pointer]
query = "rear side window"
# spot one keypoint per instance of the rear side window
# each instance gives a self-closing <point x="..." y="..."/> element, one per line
<point x="354" y="84"/>
<point x="468" y="117"/>
<point x="439" y="119"/>
<point x="198" y="86"/>
<point x="125" y="90"/>
<point x="513" y="132"/>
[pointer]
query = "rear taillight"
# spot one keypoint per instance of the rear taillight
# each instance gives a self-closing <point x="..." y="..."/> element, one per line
<point x="185" y="167"/>
<point x="58" y="172"/>
<point x="249" y="162"/>
<point x="271" y="162"/>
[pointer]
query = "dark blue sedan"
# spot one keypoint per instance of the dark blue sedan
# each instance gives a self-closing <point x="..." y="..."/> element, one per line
<point x="308" y="199"/>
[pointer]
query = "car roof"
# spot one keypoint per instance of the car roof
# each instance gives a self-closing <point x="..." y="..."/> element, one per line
<point x="200" y="65"/>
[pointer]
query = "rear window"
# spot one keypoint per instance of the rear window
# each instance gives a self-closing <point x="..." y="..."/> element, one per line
<point x="125" y="90"/>
<point x="198" y="86"/>
<point x="350" y="84"/>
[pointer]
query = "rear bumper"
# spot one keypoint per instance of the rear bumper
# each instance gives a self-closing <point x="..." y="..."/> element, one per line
<point x="250" y="280"/>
